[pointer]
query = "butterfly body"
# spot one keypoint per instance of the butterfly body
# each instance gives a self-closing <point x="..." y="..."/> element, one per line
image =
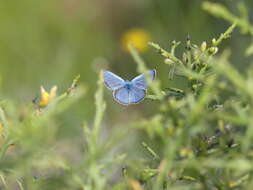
<point x="128" y="85"/>
<point x="127" y="92"/>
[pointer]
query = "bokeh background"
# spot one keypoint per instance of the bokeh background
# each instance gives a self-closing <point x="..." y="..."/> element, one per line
<point x="49" y="42"/>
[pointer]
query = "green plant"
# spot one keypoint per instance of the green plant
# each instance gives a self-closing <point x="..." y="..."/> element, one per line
<point x="199" y="137"/>
<point x="202" y="133"/>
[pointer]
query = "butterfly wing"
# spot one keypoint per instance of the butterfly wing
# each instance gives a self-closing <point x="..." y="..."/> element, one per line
<point x="132" y="96"/>
<point x="121" y="95"/>
<point x="136" y="95"/>
<point x="140" y="81"/>
<point x="125" y="95"/>
<point x="112" y="81"/>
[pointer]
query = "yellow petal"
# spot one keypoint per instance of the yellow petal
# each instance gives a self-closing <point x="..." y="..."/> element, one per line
<point x="44" y="97"/>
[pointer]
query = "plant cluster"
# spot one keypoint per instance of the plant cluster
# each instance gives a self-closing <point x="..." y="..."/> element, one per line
<point x="199" y="138"/>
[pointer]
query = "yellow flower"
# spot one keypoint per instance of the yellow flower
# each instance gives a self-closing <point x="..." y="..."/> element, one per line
<point x="138" y="37"/>
<point x="45" y="97"/>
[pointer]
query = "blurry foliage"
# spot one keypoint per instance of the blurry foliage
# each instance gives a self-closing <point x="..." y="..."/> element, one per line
<point x="243" y="20"/>
<point x="221" y="11"/>
<point x="197" y="136"/>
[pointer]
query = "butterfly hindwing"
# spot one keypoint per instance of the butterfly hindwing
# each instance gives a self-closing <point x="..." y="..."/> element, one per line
<point x="112" y="81"/>
<point x="140" y="81"/>
<point x="121" y="95"/>
<point x="136" y="95"/>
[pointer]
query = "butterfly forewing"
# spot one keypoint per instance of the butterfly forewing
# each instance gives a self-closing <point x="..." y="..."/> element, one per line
<point x="112" y="81"/>
<point x="141" y="82"/>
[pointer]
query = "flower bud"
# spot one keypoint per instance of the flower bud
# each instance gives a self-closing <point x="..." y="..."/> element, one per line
<point x="168" y="61"/>
<point x="203" y="46"/>
<point x="213" y="50"/>
<point x="213" y="41"/>
<point x="45" y="97"/>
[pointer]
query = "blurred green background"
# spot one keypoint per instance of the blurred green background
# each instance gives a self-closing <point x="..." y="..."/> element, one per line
<point x="49" y="42"/>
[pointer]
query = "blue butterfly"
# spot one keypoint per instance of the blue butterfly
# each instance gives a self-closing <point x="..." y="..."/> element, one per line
<point x="127" y="92"/>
